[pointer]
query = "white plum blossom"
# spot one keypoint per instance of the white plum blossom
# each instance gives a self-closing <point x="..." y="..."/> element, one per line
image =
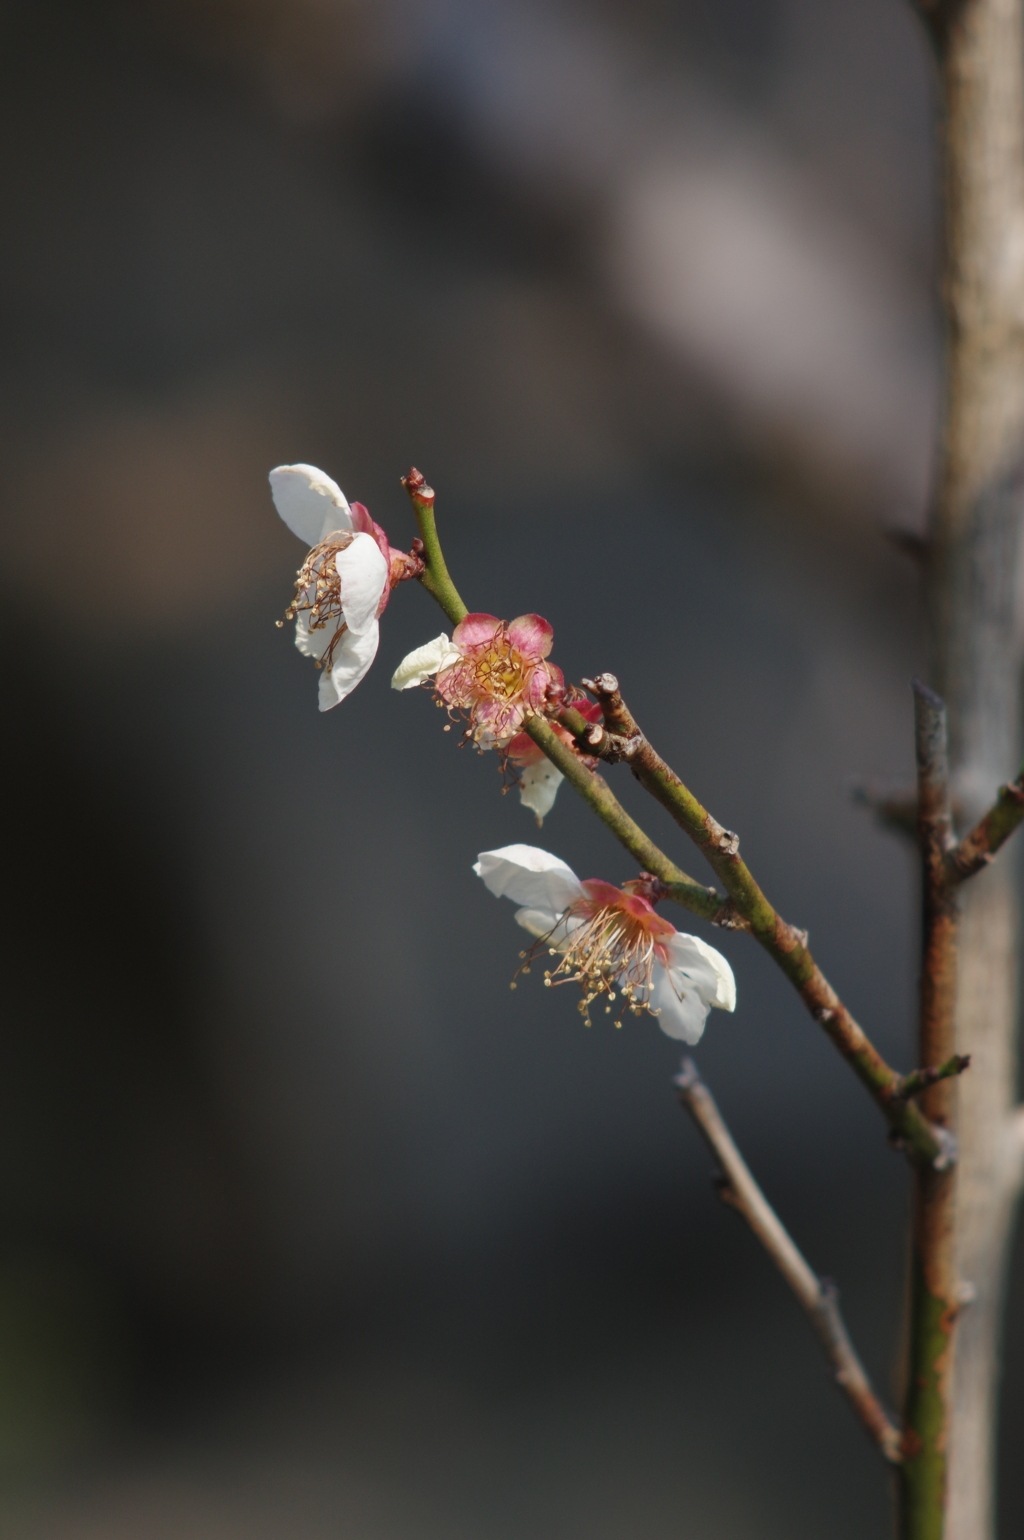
<point x="345" y="581"/>
<point x="611" y="941"/>
<point x="424" y="662"/>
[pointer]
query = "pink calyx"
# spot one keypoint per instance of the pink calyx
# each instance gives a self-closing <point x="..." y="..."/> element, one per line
<point x="401" y="564"/>
<point x="634" y="917"/>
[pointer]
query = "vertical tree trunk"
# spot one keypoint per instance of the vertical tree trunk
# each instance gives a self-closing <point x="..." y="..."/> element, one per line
<point x="975" y="601"/>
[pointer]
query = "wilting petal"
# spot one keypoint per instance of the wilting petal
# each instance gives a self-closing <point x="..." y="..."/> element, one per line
<point x="529" y="876"/>
<point x="532" y="636"/>
<point x="364" y="575"/>
<point x="424" y="661"/>
<point x="309" y="502"/>
<point x="693" y="964"/>
<point x="538" y="787"/>
<point x="474" y="631"/>
<point x="352" y="658"/>
<point x="681" y="1014"/>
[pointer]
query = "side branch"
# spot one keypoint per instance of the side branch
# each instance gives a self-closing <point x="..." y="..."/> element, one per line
<point x="621" y="739"/>
<point x="976" y="849"/>
<point x="817" y="1297"/>
<point x="922" y="1079"/>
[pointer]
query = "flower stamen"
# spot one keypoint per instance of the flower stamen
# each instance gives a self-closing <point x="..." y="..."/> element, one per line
<point x="318" y="591"/>
<point x="612" y="954"/>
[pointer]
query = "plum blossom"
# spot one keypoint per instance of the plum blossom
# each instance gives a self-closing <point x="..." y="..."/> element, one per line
<point x="345" y="581"/>
<point x="539" y="779"/>
<point x="494" y="671"/>
<point x="611" y="941"/>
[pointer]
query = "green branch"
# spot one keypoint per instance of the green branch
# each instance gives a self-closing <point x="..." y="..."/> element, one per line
<point x="435" y="576"/>
<point x="922" y="1079"/>
<point x="621" y="739"/>
<point x="598" y="796"/>
<point x="745" y="907"/>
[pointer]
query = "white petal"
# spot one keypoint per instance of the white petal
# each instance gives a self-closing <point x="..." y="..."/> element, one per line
<point x="352" y="658"/>
<point x="312" y="644"/>
<point x="528" y="876"/>
<point x="541" y="922"/>
<point x="309" y="502"/>
<point x="696" y="965"/>
<point x="364" y="574"/>
<point x="538" y="787"/>
<point x="681" y="1007"/>
<point x="423" y="661"/>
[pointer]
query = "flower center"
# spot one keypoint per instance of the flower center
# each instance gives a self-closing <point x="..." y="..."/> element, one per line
<point x="501" y="670"/>
<point x="318" y="590"/>
<point x="612" y="954"/>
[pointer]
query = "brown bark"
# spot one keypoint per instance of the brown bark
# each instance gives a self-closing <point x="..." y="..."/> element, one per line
<point x="974" y="590"/>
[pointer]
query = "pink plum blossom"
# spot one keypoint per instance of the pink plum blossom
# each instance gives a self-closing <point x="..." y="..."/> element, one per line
<point x="494" y="671"/>
<point x="611" y="942"/>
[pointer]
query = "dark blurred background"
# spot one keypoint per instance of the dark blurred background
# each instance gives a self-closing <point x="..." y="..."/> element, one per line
<point x="311" y="1228"/>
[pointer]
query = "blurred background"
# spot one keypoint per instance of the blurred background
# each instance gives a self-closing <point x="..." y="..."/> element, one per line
<point x="308" y="1226"/>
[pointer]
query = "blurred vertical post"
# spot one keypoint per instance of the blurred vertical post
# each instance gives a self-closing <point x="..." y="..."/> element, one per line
<point x="975" y="609"/>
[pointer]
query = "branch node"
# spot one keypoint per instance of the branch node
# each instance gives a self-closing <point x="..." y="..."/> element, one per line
<point x="729" y="917"/>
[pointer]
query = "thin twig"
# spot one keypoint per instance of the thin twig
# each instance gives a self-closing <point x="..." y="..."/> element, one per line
<point x="921" y="1079"/>
<point x="935" y="1296"/>
<point x="977" y="848"/>
<point x="621" y="739"/>
<point x="817" y="1297"/>
<point x="435" y="576"/>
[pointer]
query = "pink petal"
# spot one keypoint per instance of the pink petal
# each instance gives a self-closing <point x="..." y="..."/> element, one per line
<point x="523" y="751"/>
<point x="366" y="526"/>
<point x="361" y="518"/>
<point x="502" y="719"/>
<point x="532" y="636"/>
<point x="546" y="678"/>
<point x="474" y="631"/>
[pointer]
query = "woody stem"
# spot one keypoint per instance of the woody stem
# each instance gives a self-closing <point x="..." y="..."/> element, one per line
<point x="745" y="907"/>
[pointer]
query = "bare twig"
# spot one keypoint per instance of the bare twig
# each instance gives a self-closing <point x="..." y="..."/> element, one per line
<point x="935" y="1296"/>
<point x="622" y="739"/>
<point x="817" y="1296"/>
<point x="920" y="1079"/>
<point x="977" y="849"/>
